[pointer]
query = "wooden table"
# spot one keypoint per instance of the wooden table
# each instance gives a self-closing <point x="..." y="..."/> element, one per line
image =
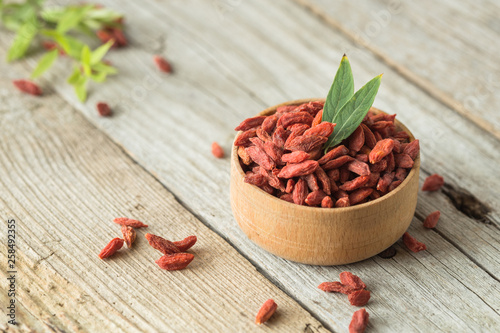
<point x="66" y="172"/>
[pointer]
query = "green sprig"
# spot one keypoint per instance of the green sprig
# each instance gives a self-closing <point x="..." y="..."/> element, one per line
<point x="62" y="25"/>
<point x="343" y="107"/>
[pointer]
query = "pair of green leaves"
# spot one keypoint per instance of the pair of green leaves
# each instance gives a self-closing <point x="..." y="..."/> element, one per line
<point x="344" y="107"/>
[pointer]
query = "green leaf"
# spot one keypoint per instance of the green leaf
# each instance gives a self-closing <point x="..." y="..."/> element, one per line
<point x="45" y="62"/>
<point x="81" y="89"/>
<point x="75" y="76"/>
<point x="23" y="40"/>
<point x="352" y="113"/>
<point x="101" y="67"/>
<point x="71" y="18"/>
<point x="341" y="91"/>
<point x="85" y="60"/>
<point x="99" y="77"/>
<point x="100" y="52"/>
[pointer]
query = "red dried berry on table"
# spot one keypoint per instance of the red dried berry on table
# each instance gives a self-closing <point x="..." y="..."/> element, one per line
<point x="28" y="87"/>
<point x="359" y="321"/>
<point x="162" y="64"/>
<point x="103" y="109"/>
<point x="175" y="262"/>
<point x="359" y="297"/>
<point x="335" y="287"/>
<point x="186" y="243"/>
<point x="266" y="311"/>
<point x="351" y="280"/>
<point x="217" y="150"/>
<point x="114" y="245"/>
<point x="432" y="219"/>
<point x="130" y="222"/>
<point x="129" y="235"/>
<point x="412" y="244"/>
<point x="161" y="244"/>
<point x="433" y="183"/>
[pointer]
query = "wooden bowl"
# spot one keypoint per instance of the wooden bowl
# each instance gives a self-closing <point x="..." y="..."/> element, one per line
<point x="322" y="236"/>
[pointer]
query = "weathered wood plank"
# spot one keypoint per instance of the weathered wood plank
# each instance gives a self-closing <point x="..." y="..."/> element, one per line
<point x="228" y="67"/>
<point x="448" y="49"/>
<point x="63" y="181"/>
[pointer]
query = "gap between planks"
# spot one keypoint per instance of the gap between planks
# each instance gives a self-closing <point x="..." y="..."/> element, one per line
<point x="421" y="83"/>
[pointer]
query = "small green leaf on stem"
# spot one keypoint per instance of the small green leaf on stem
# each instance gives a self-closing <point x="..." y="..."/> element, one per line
<point x="341" y="91"/>
<point x="23" y="39"/>
<point x="352" y="113"/>
<point x="100" y="52"/>
<point x="45" y="62"/>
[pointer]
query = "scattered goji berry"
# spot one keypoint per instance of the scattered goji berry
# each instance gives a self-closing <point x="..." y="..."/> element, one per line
<point x="186" y="243"/>
<point x="129" y="235"/>
<point x="432" y="219"/>
<point x="174" y="262"/>
<point x="217" y="150"/>
<point x="266" y="311"/>
<point x="162" y="64"/>
<point x="351" y="280"/>
<point x="161" y="244"/>
<point x="103" y="109"/>
<point x="359" y="297"/>
<point x="28" y="87"/>
<point x="433" y="183"/>
<point x="114" y="245"/>
<point x="130" y="222"/>
<point x="359" y="321"/>
<point x="413" y="244"/>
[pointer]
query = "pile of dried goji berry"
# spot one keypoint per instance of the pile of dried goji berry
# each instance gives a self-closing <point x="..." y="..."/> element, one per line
<point x="283" y="154"/>
<point x="174" y="256"/>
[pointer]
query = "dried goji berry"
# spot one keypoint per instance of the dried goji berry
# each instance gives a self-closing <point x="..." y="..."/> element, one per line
<point x="260" y="157"/>
<point x="432" y="219"/>
<point x="357" y="139"/>
<point x="351" y="280"/>
<point x="317" y="118"/>
<point x="381" y="150"/>
<point x="413" y="244"/>
<point x="266" y="311"/>
<point x="298" y="169"/>
<point x="217" y="150"/>
<point x="295" y="157"/>
<point x="103" y="109"/>
<point x="250" y="123"/>
<point x="343" y="202"/>
<point x="358" y="167"/>
<point x="244" y="157"/>
<point x="403" y="161"/>
<point x="27" y="87"/>
<point x="186" y="243"/>
<point x="412" y="149"/>
<point x="162" y="64"/>
<point x="335" y="287"/>
<point x="359" y="297"/>
<point x="263" y="135"/>
<point x="114" y="245"/>
<point x="256" y="179"/>
<point x="355" y="183"/>
<point x="312" y="182"/>
<point x="359" y="321"/>
<point x="174" y="262"/>
<point x="333" y="154"/>
<point x="244" y="138"/>
<point x="300" y="192"/>
<point x="325" y="181"/>
<point x="323" y="129"/>
<point x="306" y="143"/>
<point x="315" y="197"/>
<point x="129" y="235"/>
<point x="130" y="222"/>
<point x="269" y="123"/>
<point x="359" y="195"/>
<point x="327" y="202"/>
<point x="287" y="197"/>
<point x="433" y="183"/>
<point x="338" y="162"/>
<point x="288" y="119"/>
<point x="161" y="244"/>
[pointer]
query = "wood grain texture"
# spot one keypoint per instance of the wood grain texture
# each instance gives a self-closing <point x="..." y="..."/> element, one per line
<point x="447" y="49"/>
<point x="228" y="66"/>
<point x="319" y="236"/>
<point x="64" y="181"/>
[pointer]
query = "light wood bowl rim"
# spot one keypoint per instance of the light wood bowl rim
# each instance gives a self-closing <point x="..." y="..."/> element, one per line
<point x="259" y="191"/>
